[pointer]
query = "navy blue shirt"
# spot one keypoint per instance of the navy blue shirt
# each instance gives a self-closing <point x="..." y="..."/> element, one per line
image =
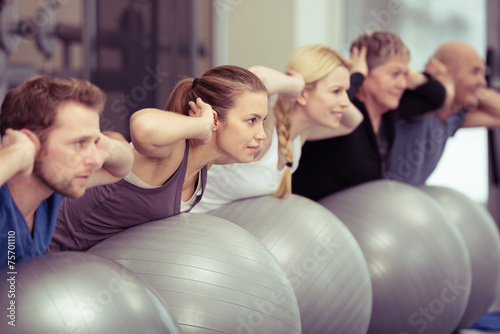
<point x="419" y="145"/>
<point x="14" y="232"/>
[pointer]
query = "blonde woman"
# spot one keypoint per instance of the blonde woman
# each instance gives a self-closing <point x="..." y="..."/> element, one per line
<point x="312" y="105"/>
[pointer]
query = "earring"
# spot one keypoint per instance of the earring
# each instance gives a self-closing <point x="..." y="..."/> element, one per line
<point x="214" y="129"/>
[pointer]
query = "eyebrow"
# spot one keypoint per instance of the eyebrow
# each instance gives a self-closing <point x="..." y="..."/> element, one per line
<point x="85" y="138"/>
<point x="255" y="115"/>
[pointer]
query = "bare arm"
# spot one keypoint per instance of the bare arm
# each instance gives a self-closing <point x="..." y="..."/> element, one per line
<point x="487" y="112"/>
<point x="118" y="159"/>
<point x="17" y="154"/>
<point x="153" y="131"/>
<point x="351" y="119"/>
<point x="276" y="82"/>
<point x="289" y="86"/>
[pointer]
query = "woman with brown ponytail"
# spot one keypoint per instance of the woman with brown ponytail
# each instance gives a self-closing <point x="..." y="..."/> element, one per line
<point x="312" y="105"/>
<point x="215" y="119"/>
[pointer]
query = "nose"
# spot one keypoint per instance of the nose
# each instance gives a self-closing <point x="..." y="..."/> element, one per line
<point x="344" y="101"/>
<point x="482" y="81"/>
<point x="93" y="157"/>
<point x="261" y="134"/>
<point x="402" y="83"/>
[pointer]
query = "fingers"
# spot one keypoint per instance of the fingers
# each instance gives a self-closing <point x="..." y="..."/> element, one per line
<point x="196" y="108"/>
<point x="363" y="52"/>
<point x="201" y="108"/>
<point x="435" y="67"/>
<point x="359" y="53"/>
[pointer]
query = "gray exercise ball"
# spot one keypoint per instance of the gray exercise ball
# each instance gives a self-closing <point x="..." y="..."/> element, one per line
<point x="483" y="243"/>
<point x="320" y="255"/>
<point x="215" y="276"/>
<point x="418" y="261"/>
<point x="73" y="292"/>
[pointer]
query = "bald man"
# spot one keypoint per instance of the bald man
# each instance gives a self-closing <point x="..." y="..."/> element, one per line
<point x="419" y="143"/>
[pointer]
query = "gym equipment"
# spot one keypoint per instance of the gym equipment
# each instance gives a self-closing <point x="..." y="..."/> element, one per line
<point x="482" y="239"/>
<point x="419" y="263"/>
<point x="9" y="20"/>
<point x="320" y="255"/>
<point x="74" y="292"/>
<point x="215" y="276"/>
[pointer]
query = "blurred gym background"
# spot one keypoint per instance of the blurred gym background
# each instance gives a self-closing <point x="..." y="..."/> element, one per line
<point x="136" y="51"/>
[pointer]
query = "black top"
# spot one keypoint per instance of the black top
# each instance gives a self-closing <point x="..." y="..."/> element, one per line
<point x="329" y="165"/>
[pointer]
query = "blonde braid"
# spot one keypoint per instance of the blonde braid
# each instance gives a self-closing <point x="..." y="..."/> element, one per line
<point x="284" y="125"/>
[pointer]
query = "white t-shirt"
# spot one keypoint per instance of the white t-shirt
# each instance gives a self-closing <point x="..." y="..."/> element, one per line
<point x="232" y="182"/>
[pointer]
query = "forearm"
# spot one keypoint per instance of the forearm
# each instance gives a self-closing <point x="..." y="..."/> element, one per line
<point x="431" y="92"/>
<point x="352" y="117"/>
<point x="120" y="158"/>
<point x="417" y="79"/>
<point x="487" y="112"/>
<point x="356" y="80"/>
<point x="277" y="82"/>
<point x="154" y="128"/>
<point x="449" y="86"/>
<point x="10" y="163"/>
<point x="427" y="97"/>
<point x="489" y="101"/>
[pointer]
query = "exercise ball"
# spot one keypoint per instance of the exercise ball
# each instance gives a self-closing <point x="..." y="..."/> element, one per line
<point x="483" y="244"/>
<point x="320" y="255"/>
<point x="419" y="264"/>
<point x="73" y="292"/>
<point x="215" y="276"/>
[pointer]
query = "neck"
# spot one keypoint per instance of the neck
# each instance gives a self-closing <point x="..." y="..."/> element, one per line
<point x="301" y="122"/>
<point x="202" y="155"/>
<point x="373" y="108"/>
<point x="27" y="205"/>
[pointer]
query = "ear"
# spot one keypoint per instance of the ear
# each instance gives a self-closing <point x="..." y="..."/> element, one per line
<point x="216" y="118"/>
<point x="34" y="138"/>
<point x="302" y="99"/>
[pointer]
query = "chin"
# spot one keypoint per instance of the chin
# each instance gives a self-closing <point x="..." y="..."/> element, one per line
<point x="335" y="124"/>
<point x="247" y="159"/>
<point x="72" y="193"/>
<point x="392" y="106"/>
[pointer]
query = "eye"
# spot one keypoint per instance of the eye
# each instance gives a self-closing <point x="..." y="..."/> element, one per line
<point x="337" y="91"/>
<point x="82" y="144"/>
<point x="252" y="121"/>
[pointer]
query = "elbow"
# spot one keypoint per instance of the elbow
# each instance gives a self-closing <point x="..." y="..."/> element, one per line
<point x="444" y="93"/>
<point x="125" y="166"/>
<point x="140" y="130"/>
<point x="354" y="127"/>
<point x="260" y="72"/>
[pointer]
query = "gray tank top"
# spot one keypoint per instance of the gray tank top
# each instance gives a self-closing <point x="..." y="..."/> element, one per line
<point x="109" y="209"/>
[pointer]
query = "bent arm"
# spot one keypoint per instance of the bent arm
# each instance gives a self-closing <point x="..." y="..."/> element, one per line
<point x="351" y="119"/>
<point x="118" y="160"/>
<point x="487" y="112"/>
<point x="153" y="131"/>
<point x="17" y="155"/>
<point x="277" y="82"/>
<point x="426" y="97"/>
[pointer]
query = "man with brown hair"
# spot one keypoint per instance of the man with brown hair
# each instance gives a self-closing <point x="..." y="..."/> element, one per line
<point x="51" y="147"/>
